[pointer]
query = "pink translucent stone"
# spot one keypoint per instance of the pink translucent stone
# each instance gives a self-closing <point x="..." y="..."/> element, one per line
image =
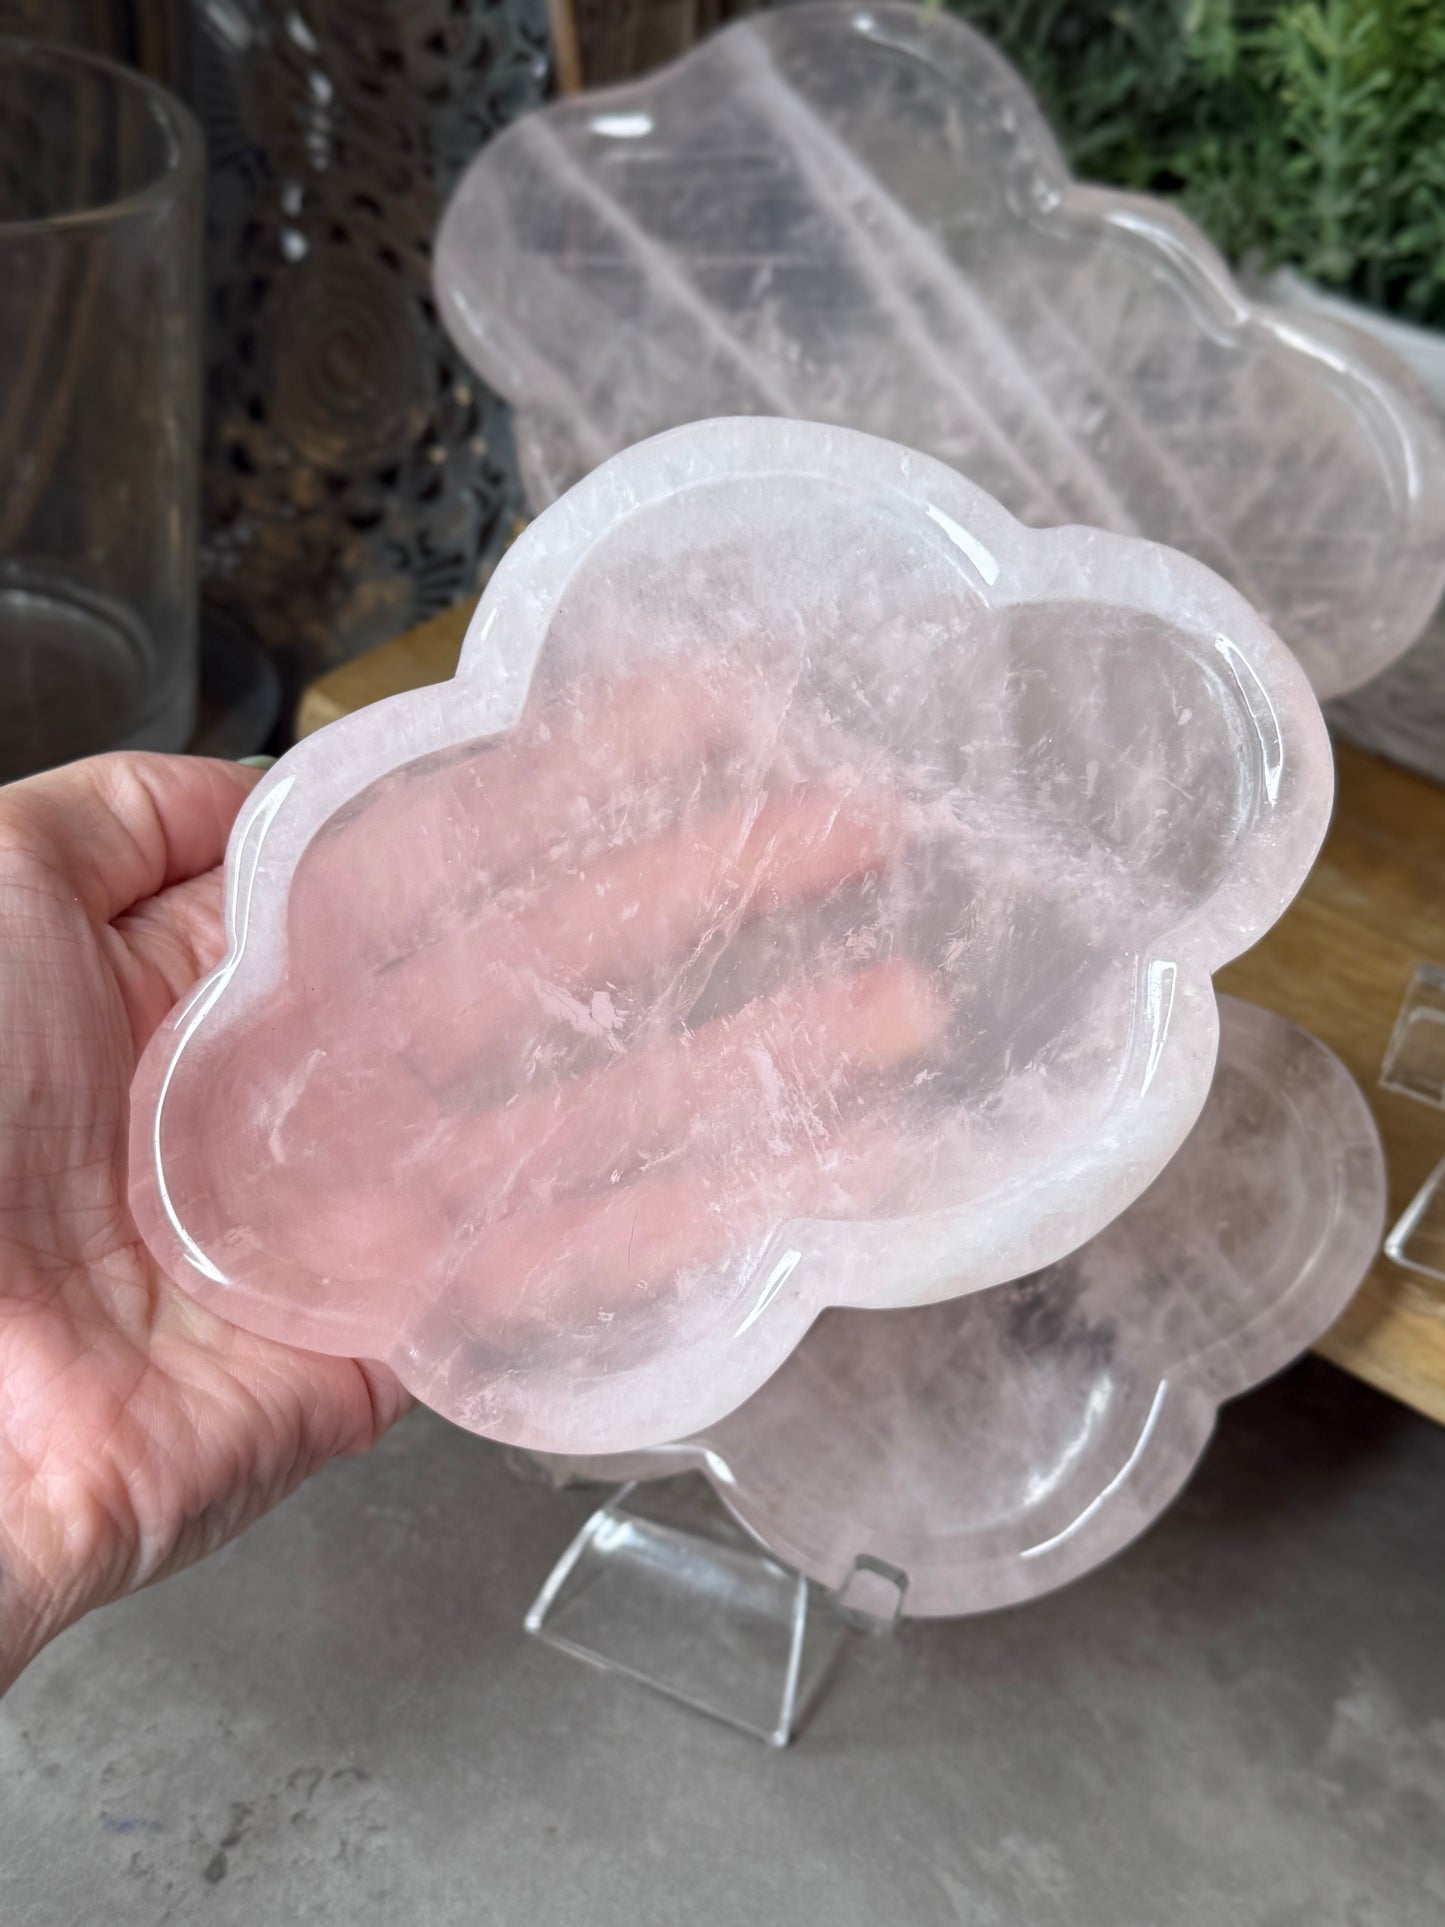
<point x="805" y="894"/>
<point x="858" y="214"/>
<point x="997" y="1446"/>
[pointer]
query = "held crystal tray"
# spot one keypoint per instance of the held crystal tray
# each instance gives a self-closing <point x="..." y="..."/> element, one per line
<point x="858" y="215"/>
<point x="806" y="893"/>
<point x="995" y="1447"/>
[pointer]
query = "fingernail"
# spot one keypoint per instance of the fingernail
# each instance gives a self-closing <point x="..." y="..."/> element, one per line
<point x="255" y="762"/>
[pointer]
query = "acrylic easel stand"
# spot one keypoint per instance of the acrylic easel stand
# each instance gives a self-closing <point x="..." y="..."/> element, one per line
<point x="1415" y="1060"/>
<point x="1415" y="1066"/>
<point x="1418" y="1240"/>
<point x="664" y="1586"/>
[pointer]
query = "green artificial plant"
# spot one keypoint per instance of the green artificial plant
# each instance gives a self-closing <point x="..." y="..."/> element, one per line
<point x="1300" y="133"/>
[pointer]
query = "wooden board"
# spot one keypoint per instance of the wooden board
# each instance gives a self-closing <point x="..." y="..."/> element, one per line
<point x="1338" y="962"/>
<point x="423" y="655"/>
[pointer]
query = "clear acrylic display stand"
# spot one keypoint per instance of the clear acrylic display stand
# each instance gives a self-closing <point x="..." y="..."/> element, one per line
<point x="1415" y="1060"/>
<point x="1415" y="1066"/>
<point x="664" y="1586"/>
<point x="1418" y="1240"/>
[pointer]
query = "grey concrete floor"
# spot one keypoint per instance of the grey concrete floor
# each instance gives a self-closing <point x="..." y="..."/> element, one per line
<point x="1239" y="1723"/>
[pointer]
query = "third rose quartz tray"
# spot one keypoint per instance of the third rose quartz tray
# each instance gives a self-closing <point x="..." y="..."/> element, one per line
<point x="858" y="215"/>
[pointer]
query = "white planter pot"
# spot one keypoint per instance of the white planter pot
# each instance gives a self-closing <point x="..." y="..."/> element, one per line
<point x="1402" y="713"/>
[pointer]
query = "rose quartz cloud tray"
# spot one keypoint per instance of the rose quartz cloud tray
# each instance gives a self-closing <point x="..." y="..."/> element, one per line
<point x="858" y="215"/>
<point x="997" y="1446"/>
<point x="805" y="894"/>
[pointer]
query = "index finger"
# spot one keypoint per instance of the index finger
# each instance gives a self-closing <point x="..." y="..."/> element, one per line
<point x="118" y="829"/>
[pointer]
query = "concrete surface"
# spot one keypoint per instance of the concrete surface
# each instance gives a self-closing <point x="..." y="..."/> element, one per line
<point x="1240" y="1723"/>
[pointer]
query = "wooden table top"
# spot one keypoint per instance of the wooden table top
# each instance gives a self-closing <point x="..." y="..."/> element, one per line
<point x="1338" y="962"/>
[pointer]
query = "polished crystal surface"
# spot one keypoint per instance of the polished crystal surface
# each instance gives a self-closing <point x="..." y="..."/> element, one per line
<point x="997" y="1446"/>
<point x="806" y="893"/>
<point x="858" y="215"/>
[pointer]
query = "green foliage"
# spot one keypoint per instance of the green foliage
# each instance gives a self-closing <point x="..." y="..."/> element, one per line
<point x="1303" y="132"/>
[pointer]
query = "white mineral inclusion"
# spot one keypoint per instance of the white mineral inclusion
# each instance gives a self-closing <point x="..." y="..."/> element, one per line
<point x="862" y="218"/>
<point x="805" y="894"/>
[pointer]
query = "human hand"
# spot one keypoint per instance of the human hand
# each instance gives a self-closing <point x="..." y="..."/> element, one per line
<point x="137" y="1430"/>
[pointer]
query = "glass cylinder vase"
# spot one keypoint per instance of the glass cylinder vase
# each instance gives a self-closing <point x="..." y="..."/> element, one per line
<point x="101" y="176"/>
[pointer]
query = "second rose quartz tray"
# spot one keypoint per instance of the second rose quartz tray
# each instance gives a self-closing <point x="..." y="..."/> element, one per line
<point x="998" y="1446"/>
<point x="806" y="893"/>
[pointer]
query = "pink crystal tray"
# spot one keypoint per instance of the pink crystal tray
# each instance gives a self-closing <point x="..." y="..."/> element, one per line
<point x="858" y="215"/>
<point x="997" y="1446"/>
<point x="806" y="893"/>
